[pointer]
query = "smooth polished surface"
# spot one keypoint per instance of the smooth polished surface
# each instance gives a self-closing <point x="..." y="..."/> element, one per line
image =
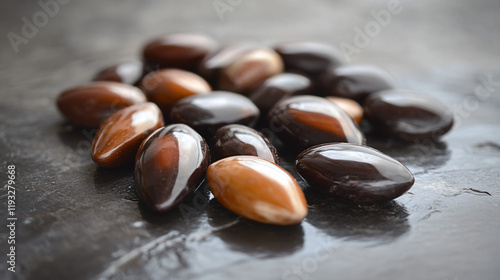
<point x="166" y="87"/>
<point x="279" y="87"/>
<point x="177" y="50"/>
<point x="236" y="139"/>
<point x="125" y="72"/>
<point x="257" y="190"/>
<point x="249" y="70"/>
<point x="310" y="58"/>
<point x="90" y="104"/>
<point x="304" y="121"/>
<point x="408" y="115"/>
<point x="170" y="165"/>
<point x="351" y="107"/>
<point x="213" y="64"/>
<point x="81" y="222"/>
<point x="119" y="137"/>
<point x="356" y="81"/>
<point x="354" y="173"/>
<point x="207" y="113"/>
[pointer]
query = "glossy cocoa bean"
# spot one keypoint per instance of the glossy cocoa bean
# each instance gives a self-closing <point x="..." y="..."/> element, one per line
<point x="408" y="115"/>
<point x="279" y="87"/>
<point x="310" y="58"/>
<point x="249" y="70"/>
<point x="166" y="87"/>
<point x="211" y="67"/>
<point x="208" y="112"/>
<point x="236" y="139"/>
<point x="170" y="165"/>
<point x="354" y="173"/>
<point x="257" y="189"/>
<point x="119" y="137"/>
<point x="355" y="81"/>
<point x="304" y="121"/>
<point x="351" y="107"/>
<point x="126" y="72"/>
<point x="89" y="105"/>
<point x="177" y="50"/>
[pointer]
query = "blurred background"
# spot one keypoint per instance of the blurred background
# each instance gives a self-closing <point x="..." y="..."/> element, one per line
<point x="453" y="39"/>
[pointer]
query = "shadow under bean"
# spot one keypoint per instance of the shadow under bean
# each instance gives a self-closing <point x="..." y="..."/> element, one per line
<point x="253" y="238"/>
<point x="379" y="223"/>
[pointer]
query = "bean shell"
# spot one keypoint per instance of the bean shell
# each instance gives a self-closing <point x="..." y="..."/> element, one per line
<point x="119" y="137"/>
<point x="408" y="115"/>
<point x="235" y="139"/>
<point x="249" y="70"/>
<point x="354" y="173"/>
<point x="279" y="87"/>
<point x="208" y="112"/>
<point x="355" y="81"/>
<point x="126" y="72"/>
<point x="177" y="50"/>
<point x="210" y="68"/>
<point x="310" y="58"/>
<point x="89" y="105"/>
<point x="351" y="107"/>
<point x="170" y="165"/>
<point x="257" y="189"/>
<point x="304" y="121"/>
<point x="166" y="87"/>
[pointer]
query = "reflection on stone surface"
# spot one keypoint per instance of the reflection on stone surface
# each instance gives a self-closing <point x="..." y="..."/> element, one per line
<point x="379" y="223"/>
<point x="176" y="218"/>
<point x="74" y="136"/>
<point x="259" y="240"/>
<point x="420" y="156"/>
<point x="118" y="181"/>
<point x="77" y="142"/>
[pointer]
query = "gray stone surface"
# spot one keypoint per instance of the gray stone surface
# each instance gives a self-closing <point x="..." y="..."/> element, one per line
<point x="76" y="221"/>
